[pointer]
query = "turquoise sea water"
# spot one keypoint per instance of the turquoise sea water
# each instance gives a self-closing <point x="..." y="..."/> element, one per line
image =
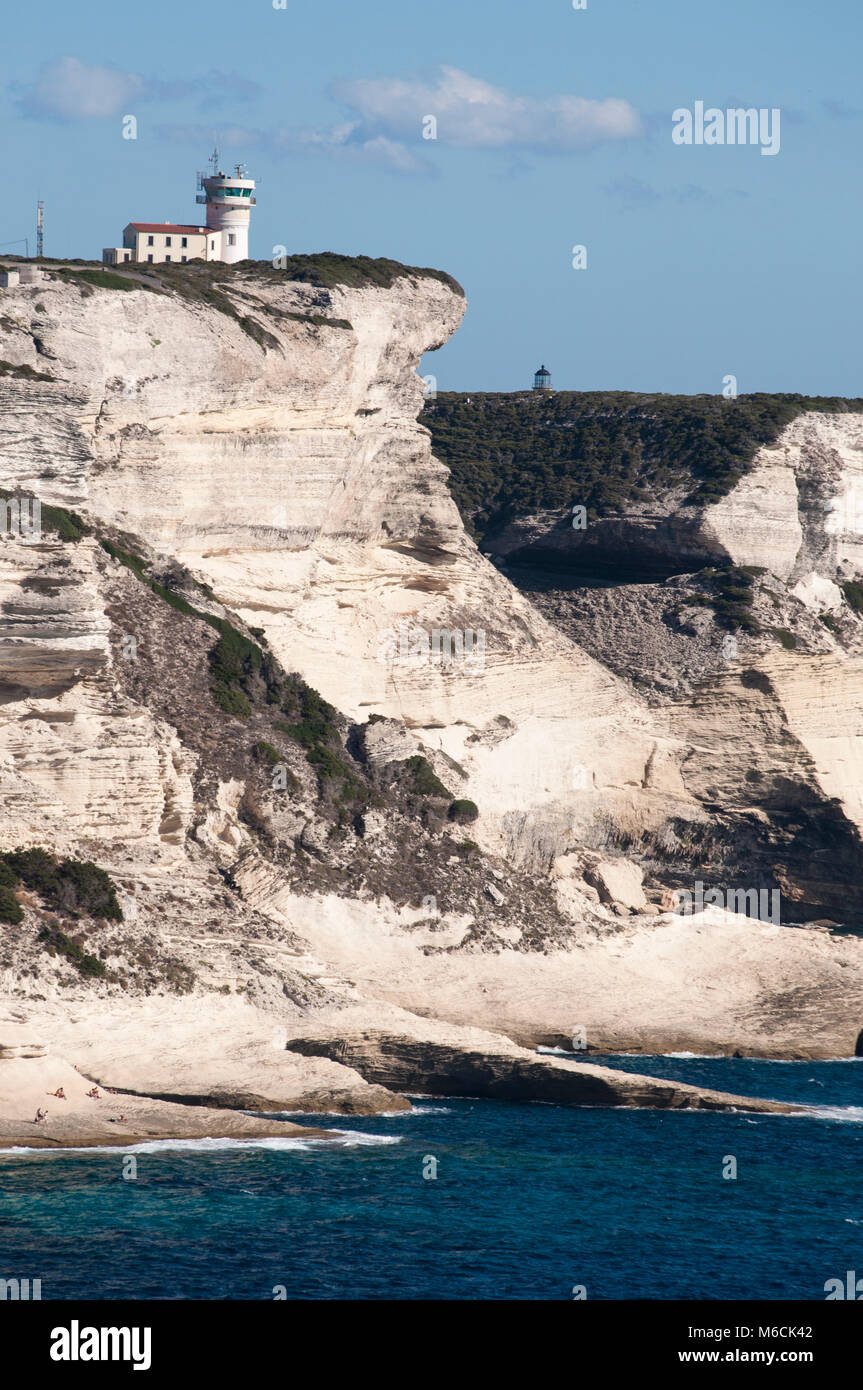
<point x="529" y="1201"/>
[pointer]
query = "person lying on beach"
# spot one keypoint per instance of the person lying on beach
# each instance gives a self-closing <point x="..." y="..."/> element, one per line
<point x="40" y="1115"/>
<point x="94" y="1093"/>
<point x="59" y="1093"/>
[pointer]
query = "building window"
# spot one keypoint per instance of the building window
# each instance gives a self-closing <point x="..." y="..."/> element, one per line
<point x="232" y="240"/>
<point x="184" y="241"/>
<point x="126" y="256"/>
<point x="167" y="241"/>
<point x="150" y="242"/>
<point x="212" y="246"/>
<point x="167" y="258"/>
<point x="149" y="258"/>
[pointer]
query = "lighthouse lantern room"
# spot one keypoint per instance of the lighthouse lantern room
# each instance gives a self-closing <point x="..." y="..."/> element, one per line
<point x="542" y="379"/>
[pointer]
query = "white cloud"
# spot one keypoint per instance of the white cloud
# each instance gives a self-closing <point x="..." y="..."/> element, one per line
<point x="343" y="142"/>
<point x="473" y="114"/>
<point x="70" y="90"/>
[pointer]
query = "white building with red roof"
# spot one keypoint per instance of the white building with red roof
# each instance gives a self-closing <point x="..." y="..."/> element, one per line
<point x="229" y="199"/>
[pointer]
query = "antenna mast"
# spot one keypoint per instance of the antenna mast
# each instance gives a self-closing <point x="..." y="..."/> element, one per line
<point x="40" y="228"/>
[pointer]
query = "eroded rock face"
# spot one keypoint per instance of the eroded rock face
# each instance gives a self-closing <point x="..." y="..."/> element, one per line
<point x="297" y="482"/>
<point x="294" y="480"/>
<point x="77" y="759"/>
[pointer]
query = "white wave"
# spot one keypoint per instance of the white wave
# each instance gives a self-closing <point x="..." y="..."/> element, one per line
<point x="343" y="1138"/>
<point x="848" y="1114"/>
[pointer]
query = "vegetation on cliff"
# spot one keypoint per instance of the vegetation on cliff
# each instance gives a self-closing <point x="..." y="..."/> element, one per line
<point x="73" y="886"/>
<point x="331" y="270"/>
<point x="729" y="593"/>
<point x="206" y="282"/>
<point x="510" y="454"/>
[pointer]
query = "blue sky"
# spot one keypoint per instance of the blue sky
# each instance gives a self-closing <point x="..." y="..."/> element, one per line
<point x="553" y="130"/>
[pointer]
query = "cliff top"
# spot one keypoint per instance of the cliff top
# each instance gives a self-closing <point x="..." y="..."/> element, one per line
<point x="511" y="453"/>
<point x="324" y="269"/>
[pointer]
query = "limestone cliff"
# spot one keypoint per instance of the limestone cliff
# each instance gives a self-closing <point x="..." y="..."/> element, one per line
<point x="241" y="510"/>
<point x="294" y="479"/>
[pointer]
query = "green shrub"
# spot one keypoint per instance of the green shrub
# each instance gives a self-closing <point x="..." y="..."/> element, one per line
<point x="69" y="526"/>
<point x="231" y="701"/>
<point x="101" y="279"/>
<point x="10" y="908"/>
<point x="424" y="780"/>
<point x="87" y="888"/>
<point x="788" y="640"/>
<point x="74" y="886"/>
<point x="317" y="725"/>
<point x="266" y="753"/>
<point x="463" y="812"/>
<point x="234" y="660"/>
<point x="57" y="942"/>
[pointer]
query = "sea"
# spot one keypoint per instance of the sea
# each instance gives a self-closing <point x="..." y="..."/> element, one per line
<point x="468" y="1199"/>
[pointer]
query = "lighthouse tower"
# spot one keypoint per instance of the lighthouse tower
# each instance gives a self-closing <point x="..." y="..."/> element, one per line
<point x="229" y="199"/>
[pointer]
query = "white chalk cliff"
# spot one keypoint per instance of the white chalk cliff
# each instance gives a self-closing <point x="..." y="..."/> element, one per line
<point x="286" y="470"/>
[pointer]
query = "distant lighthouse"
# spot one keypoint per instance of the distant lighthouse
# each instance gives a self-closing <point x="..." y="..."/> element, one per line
<point x="542" y="379"/>
<point x="229" y="199"/>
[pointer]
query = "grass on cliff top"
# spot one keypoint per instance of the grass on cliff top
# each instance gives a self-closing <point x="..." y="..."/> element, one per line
<point x="101" y="279"/>
<point x="510" y="454"/>
<point x="331" y="269"/>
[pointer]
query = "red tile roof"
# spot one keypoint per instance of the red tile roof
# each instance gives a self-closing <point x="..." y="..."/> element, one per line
<point x="165" y="227"/>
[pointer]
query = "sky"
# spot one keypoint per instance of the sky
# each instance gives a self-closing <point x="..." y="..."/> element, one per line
<point x="553" y="129"/>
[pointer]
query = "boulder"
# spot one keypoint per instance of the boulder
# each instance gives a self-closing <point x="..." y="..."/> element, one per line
<point x="618" y="881"/>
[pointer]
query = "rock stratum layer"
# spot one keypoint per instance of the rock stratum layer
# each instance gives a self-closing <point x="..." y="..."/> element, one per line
<point x="264" y="463"/>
